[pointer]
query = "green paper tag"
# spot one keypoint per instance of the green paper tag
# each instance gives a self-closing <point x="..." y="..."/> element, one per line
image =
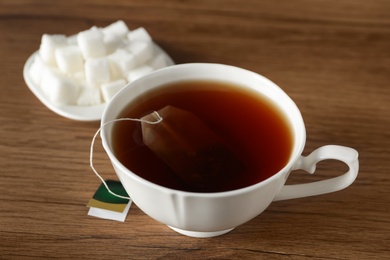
<point x="105" y="205"/>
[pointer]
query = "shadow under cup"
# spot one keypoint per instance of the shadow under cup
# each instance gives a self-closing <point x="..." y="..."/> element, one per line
<point x="194" y="213"/>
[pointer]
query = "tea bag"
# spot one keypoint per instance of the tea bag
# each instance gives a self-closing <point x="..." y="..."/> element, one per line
<point x="198" y="157"/>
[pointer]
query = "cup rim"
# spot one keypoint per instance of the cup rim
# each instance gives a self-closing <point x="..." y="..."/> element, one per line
<point x="297" y="149"/>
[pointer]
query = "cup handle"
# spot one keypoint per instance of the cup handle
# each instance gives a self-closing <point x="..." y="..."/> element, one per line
<point x="345" y="154"/>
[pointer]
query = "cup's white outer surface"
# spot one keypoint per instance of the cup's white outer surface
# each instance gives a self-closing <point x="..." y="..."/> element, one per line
<point x="203" y="214"/>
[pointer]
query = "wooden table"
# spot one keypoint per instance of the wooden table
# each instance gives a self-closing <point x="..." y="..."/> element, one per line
<point x="331" y="57"/>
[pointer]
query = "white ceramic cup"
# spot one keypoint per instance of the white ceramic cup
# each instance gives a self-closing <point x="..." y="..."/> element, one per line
<point x="213" y="214"/>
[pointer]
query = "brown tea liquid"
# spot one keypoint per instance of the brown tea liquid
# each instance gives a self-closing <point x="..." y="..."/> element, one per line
<point x="253" y="127"/>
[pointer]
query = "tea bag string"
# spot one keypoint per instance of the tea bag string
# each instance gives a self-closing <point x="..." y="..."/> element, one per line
<point x="158" y="120"/>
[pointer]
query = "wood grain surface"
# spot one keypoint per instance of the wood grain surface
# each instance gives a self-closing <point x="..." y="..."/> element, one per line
<point x="331" y="57"/>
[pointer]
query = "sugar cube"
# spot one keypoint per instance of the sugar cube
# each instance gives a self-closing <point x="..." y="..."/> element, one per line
<point x="97" y="71"/>
<point x="118" y="28"/>
<point x="69" y="59"/>
<point x="139" y="34"/>
<point x="111" y="88"/>
<point x="112" y="42"/>
<point x="122" y="61"/>
<point x="139" y="72"/>
<point x="115" y="72"/>
<point x="58" y="88"/>
<point x="89" y="97"/>
<point x="49" y="44"/>
<point x="114" y="35"/>
<point x="72" y="40"/>
<point x="143" y="51"/>
<point x="159" y="62"/>
<point x="91" y="43"/>
<point x="79" y="77"/>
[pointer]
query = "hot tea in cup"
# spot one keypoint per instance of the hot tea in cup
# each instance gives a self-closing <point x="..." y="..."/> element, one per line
<point x="205" y="178"/>
<point x="253" y="128"/>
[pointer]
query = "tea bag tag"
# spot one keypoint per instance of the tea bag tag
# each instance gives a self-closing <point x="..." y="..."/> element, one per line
<point x="107" y="206"/>
<point x="197" y="155"/>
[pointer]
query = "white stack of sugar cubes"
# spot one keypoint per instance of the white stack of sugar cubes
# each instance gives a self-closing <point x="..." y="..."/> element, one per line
<point x="91" y="67"/>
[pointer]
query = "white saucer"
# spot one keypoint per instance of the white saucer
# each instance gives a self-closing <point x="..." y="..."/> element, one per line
<point x="80" y="113"/>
